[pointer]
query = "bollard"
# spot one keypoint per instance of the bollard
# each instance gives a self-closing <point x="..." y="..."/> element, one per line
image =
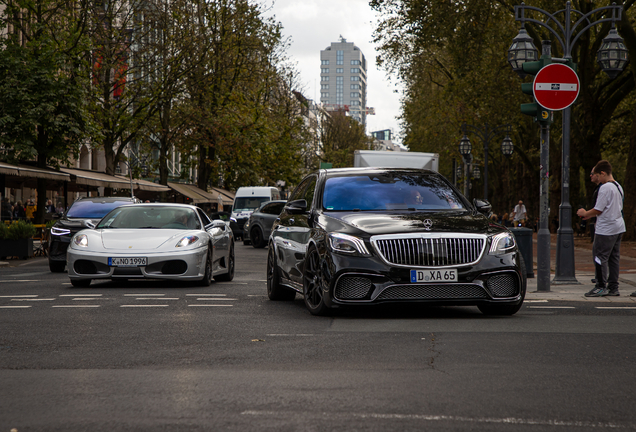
<point x="523" y="237"/>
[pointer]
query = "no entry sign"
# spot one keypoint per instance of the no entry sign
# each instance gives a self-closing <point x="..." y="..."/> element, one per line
<point x="556" y="86"/>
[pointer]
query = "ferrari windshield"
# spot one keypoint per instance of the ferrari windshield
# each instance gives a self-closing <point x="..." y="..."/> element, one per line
<point x="390" y="191"/>
<point x="149" y="217"/>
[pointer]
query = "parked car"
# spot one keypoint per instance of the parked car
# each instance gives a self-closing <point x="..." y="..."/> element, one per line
<point x="361" y="236"/>
<point x="83" y="210"/>
<point x="157" y="241"/>
<point x="259" y="225"/>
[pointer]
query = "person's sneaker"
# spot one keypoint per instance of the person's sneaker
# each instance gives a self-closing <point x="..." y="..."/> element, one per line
<point x="597" y="292"/>
<point x="613" y="293"/>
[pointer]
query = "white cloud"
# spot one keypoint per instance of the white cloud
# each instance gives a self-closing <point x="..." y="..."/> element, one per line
<point x="313" y="25"/>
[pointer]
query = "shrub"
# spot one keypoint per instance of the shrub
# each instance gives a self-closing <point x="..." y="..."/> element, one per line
<point x="4" y="230"/>
<point x="20" y="230"/>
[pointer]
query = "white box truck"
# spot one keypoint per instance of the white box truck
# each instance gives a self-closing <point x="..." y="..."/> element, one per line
<point x="392" y="159"/>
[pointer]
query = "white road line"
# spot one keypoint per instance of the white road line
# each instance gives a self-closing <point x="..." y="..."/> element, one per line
<point x="551" y="307"/>
<point x="33" y="299"/>
<point x="218" y="299"/>
<point x="22" y="296"/>
<point x="81" y="295"/>
<point x="210" y="305"/>
<point x="142" y="306"/>
<point x="76" y="306"/>
<point x="206" y="295"/>
<point x="157" y="298"/>
<point x="535" y="301"/>
<point x="143" y="295"/>
<point x="617" y="307"/>
<point x="14" y="307"/>
<point x="87" y="298"/>
<point x="20" y="280"/>
<point x="462" y="419"/>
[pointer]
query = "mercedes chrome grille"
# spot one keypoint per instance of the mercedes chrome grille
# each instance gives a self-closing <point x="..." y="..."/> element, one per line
<point x="430" y="251"/>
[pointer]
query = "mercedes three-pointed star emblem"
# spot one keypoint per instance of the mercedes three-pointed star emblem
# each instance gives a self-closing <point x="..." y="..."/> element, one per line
<point x="427" y="224"/>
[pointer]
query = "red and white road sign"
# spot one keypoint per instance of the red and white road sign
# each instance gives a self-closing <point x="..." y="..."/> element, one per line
<point x="556" y="86"/>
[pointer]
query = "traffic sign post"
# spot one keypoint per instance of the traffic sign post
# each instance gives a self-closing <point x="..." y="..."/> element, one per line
<point x="556" y="87"/>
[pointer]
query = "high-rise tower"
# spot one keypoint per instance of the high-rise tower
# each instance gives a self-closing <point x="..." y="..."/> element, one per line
<point x="343" y="79"/>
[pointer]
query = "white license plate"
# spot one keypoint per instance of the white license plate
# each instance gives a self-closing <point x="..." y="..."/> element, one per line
<point x="128" y="262"/>
<point x="442" y="275"/>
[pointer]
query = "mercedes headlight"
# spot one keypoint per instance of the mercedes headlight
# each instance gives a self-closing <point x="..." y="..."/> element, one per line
<point x="501" y="243"/>
<point x="60" y="231"/>
<point x="347" y="244"/>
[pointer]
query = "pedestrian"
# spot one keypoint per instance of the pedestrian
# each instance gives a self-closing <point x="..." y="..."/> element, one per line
<point x="19" y="212"/>
<point x="30" y="209"/>
<point x="594" y="179"/>
<point x="610" y="227"/>
<point x="50" y="208"/>
<point x="520" y="215"/>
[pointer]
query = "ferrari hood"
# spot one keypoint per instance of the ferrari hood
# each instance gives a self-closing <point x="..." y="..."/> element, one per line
<point x="140" y="239"/>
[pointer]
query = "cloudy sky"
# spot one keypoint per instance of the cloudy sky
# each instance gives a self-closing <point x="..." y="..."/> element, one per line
<point x="313" y="25"/>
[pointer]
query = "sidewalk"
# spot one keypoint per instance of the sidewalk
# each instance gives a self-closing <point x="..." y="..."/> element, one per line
<point x="584" y="273"/>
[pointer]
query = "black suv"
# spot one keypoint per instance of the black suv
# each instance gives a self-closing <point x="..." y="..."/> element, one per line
<point x="81" y="211"/>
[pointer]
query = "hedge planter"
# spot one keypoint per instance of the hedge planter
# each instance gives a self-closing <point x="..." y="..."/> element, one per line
<point x="22" y="248"/>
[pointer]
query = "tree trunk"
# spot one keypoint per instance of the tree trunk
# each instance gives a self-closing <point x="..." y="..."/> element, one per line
<point x="629" y="188"/>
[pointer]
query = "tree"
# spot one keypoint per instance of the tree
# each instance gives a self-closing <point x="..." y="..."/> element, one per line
<point x="340" y="137"/>
<point x="451" y="55"/>
<point x="42" y="110"/>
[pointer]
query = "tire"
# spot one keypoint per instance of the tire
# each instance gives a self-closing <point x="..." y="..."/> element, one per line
<point x="312" y="284"/>
<point x="57" y="266"/>
<point x="258" y="241"/>
<point x="81" y="283"/>
<point x="231" y="262"/>
<point x="207" y="276"/>
<point x="275" y="291"/>
<point x="508" y="309"/>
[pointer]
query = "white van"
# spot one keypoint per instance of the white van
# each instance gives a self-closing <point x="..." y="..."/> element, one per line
<point x="246" y="200"/>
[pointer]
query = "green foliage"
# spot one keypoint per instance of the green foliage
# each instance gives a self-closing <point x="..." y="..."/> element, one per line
<point x="451" y="55"/>
<point x="17" y="230"/>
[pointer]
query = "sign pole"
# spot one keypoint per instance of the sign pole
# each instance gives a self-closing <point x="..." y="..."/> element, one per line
<point x="543" y="237"/>
<point x="565" y="272"/>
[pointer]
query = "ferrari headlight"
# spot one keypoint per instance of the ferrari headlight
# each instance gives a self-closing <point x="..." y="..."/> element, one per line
<point x="187" y="241"/>
<point x="60" y="231"/>
<point x="347" y="244"/>
<point x="81" y="240"/>
<point x="501" y="243"/>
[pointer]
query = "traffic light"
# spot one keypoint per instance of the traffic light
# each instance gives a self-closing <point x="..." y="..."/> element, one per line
<point x="533" y="109"/>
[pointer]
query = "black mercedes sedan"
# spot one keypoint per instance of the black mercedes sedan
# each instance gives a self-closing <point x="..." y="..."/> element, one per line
<point x="360" y="236"/>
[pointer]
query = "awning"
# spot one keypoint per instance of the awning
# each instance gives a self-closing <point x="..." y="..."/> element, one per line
<point x="226" y="196"/>
<point x="33" y="172"/>
<point x="100" y="179"/>
<point x="197" y="195"/>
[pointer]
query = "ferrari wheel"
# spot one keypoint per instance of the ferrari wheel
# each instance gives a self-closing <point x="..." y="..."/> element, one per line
<point x="207" y="276"/>
<point x="227" y="277"/>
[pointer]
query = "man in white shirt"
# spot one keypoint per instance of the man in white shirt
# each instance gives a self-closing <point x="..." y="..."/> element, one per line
<point x="520" y="214"/>
<point x="610" y="227"/>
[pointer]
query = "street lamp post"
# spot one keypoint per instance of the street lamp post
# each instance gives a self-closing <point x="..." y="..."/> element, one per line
<point x="465" y="147"/>
<point x="486" y="133"/>
<point x="613" y="57"/>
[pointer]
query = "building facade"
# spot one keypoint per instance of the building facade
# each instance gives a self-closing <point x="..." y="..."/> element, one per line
<point x="343" y="79"/>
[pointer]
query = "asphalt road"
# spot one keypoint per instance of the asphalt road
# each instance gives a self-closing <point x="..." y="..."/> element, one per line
<point x="148" y="356"/>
